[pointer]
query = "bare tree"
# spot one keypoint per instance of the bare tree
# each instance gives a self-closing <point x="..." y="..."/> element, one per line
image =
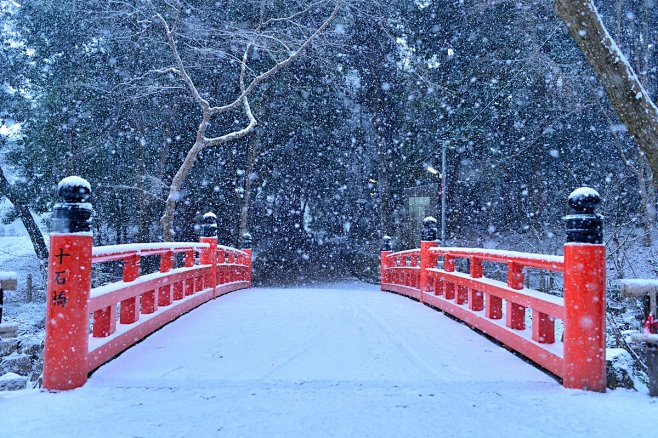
<point x="282" y="39"/>
<point x="630" y="99"/>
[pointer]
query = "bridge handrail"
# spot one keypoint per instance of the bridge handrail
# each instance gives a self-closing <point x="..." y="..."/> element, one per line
<point x="530" y="260"/>
<point x="118" y="252"/>
<point x="481" y="302"/>
<point x="405" y="253"/>
<point x="124" y="290"/>
<point x="145" y="302"/>
<point x="231" y="250"/>
<point x="530" y="298"/>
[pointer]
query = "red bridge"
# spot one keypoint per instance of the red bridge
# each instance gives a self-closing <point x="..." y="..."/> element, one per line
<point x="427" y="274"/>
<point x="347" y="332"/>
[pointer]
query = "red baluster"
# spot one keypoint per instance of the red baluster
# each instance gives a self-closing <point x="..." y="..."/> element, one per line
<point x="514" y="313"/>
<point x="129" y="312"/>
<point x="476" y="297"/>
<point x="448" y="286"/>
<point x="164" y="292"/>
<point x="543" y="327"/>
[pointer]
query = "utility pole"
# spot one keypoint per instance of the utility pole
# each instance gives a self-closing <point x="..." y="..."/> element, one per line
<point x="443" y="192"/>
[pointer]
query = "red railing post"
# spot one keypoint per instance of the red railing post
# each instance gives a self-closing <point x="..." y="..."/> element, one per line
<point x="221" y="266"/>
<point x="493" y="307"/>
<point x="514" y="313"/>
<point x="149" y="302"/>
<point x="543" y="327"/>
<point x="425" y="264"/>
<point x="129" y="308"/>
<point x="188" y="284"/>
<point x="448" y="286"/>
<point x="386" y="250"/>
<point x="164" y="293"/>
<point x="189" y="258"/>
<point x="105" y="322"/>
<point x="584" y="294"/>
<point x="476" y="297"/>
<point x="246" y="247"/>
<point x="209" y="255"/>
<point x="230" y="273"/>
<point x="427" y="261"/>
<point x="69" y="283"/>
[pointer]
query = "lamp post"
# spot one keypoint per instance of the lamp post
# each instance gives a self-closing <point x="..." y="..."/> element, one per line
<point x="442" y="174"/>
<point x="443" y="192"/>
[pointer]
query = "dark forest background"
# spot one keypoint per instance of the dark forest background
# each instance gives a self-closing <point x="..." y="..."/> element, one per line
<point x="343" y="133"/>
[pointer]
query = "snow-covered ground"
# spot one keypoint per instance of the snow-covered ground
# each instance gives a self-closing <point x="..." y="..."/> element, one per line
<point x="17" y="255"/>
<point x="340" y="360"/>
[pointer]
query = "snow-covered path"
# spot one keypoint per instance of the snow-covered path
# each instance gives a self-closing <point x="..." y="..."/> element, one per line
<point x="345" y="360"/>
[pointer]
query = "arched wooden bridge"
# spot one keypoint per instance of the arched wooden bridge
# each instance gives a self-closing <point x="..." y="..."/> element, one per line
<point x="338" y="360"/>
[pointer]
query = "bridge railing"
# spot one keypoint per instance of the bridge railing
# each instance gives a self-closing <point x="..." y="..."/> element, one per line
<point x="87" y="327"/>
<point x="521" y="318"/>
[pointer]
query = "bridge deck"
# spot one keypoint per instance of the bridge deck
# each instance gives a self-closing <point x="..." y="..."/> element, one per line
<point x="339" y="361"/>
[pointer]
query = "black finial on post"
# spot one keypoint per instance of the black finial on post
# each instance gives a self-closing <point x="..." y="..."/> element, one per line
<point x="73" y="214"/>
<point x="386" y="244"/>
<point x="430" y="232"/>
<point x="246" y="241"/>
<point x="209" y="225"/>
<point x="585" y="225"/>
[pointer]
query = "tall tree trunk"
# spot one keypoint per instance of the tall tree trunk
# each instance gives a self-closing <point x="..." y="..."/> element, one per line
<point x="629" y="98"/>
<point x="24" y="214"/>
<point x="381" y="142"/>
<point x="167" y="219"/>
<point x="245" y="203"/>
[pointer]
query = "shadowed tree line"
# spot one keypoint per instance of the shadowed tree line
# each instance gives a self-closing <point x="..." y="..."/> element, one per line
<point x="341" y="132"/>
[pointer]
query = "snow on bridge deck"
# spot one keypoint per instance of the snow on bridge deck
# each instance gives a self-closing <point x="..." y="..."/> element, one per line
<point x="340" y="360"/>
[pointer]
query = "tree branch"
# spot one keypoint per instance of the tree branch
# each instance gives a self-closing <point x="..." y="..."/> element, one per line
<point x="203" y="103"/>
<point x="247" y="109"/>
<point x="290" y="59"/>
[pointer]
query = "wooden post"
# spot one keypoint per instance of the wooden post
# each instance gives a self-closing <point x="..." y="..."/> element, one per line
<point x="514" y="313"/>
<point x="448" y="286"/>
<point x="652" y="368"/>
<point x="246" y="247"/>
<point x="386" y="250"/>
<point x="209" y="255"/>
<point x="164" y="292"/>
<point x="476" y="297"/>
<point x="129" y="308"/>
<point x="69" y="283"/>
<point x="584" y="294"/>
<point x="28" y="288"/>
<point x="428" y="240"/>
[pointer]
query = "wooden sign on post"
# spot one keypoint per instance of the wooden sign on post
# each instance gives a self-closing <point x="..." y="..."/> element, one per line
<point x="8" y="284"/>
<point x="8" y="281"/>
<point x="8" y="330"/>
